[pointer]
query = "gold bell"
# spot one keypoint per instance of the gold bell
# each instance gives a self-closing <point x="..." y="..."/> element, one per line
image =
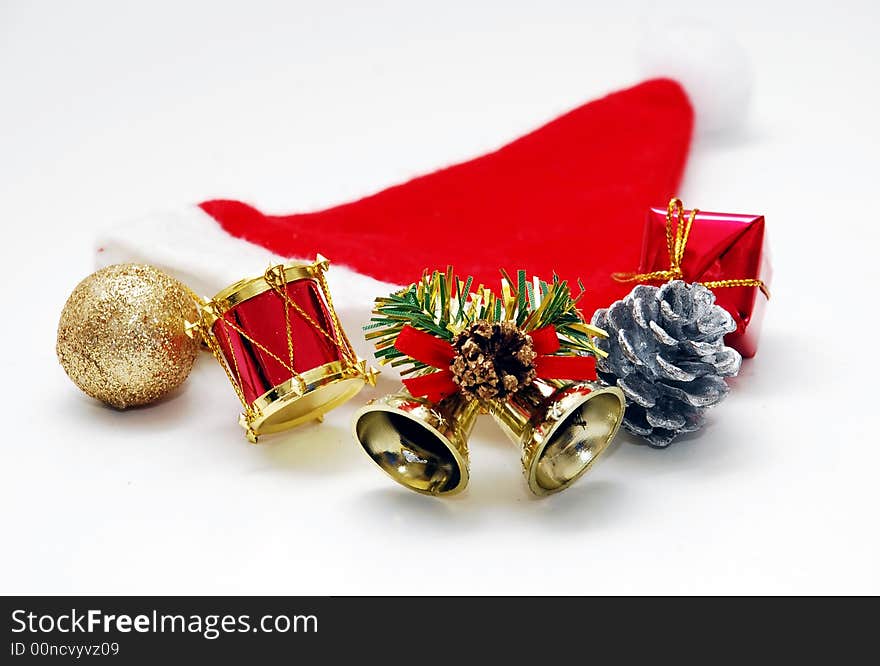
<point x="420" y="444"/>
<point x="562" y="427"/>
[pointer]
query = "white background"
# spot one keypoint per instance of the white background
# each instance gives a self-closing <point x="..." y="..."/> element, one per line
<point x="111" y="109"/>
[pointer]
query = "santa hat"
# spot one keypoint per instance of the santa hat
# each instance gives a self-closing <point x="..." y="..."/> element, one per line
<point x="569" y="198"/>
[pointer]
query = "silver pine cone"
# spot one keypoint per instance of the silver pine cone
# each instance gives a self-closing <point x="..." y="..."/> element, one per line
<point x="666" y="352"/>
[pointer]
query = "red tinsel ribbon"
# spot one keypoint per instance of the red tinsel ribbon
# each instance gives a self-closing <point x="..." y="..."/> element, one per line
<point x="437" y="353"/>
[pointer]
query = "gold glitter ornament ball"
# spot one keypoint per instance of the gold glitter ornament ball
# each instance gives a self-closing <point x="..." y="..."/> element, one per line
<point x="122" y="335"/>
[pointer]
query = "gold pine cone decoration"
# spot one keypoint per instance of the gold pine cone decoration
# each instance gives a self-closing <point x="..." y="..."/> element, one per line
<point x="122" y="335"/>
<point x="492" y="360"/>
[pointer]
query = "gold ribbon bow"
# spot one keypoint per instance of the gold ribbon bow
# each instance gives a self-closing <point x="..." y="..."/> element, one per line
<point x="678" y="231"/>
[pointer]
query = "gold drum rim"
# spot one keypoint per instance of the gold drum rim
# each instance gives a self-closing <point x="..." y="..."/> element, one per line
<point x="267" y="406"/>
<point x="248" y="288"/>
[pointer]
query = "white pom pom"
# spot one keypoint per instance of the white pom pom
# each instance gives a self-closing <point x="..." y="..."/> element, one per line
<point x="711" y="66"/>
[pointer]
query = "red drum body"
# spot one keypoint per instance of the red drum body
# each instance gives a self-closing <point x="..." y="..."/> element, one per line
<point x="283" y="348"/>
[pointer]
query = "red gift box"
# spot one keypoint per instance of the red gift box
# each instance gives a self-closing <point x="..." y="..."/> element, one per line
<point x="718" y="247"/>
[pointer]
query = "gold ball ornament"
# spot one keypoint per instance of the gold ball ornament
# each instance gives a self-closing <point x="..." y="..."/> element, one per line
<point x="122" y="336"/>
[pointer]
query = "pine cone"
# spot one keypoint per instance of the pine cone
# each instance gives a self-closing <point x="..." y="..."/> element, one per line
<point x="666" y="352"/>
<point x="493" y="360"/>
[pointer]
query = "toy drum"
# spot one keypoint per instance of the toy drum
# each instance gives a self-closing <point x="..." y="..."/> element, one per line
<point x="283" y="348"/>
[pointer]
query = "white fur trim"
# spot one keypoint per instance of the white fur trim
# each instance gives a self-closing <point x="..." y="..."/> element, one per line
<point x="708" y="62"/>
<point x="190" y="245"/>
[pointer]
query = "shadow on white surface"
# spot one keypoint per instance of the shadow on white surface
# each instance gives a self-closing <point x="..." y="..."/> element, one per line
<point x="696" y="454"/>
<point x="594" y="503"/>
<point x="590" y="504"/>
<point x="779" y="368"/>
<point x="313" y="449"/>
<point x="408" y="510"/>
<point x="169" y="412"/>
<point x="731" y="139"/>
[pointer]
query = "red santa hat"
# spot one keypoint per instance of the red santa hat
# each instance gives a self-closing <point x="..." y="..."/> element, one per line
<point x="568" y="198"/>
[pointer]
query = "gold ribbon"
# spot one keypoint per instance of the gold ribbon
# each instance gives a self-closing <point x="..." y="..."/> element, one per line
<point x="678" y="231"/>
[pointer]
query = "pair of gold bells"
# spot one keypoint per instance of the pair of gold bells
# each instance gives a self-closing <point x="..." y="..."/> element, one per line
<point x="560" y="428"/>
